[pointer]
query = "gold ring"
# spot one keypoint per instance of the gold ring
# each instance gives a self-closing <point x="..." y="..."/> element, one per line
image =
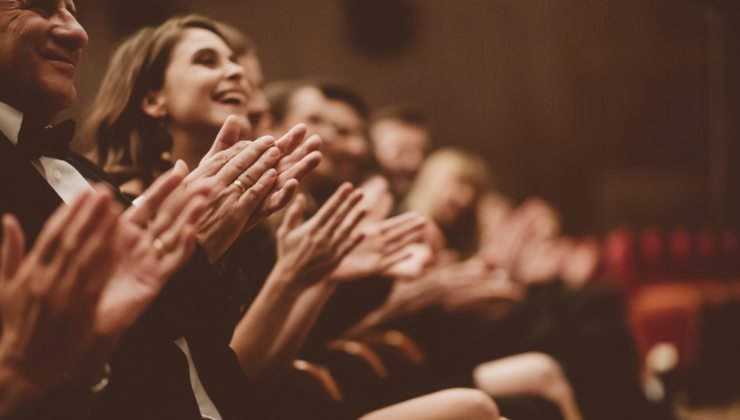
<point x="158" y="246"/>
<point x="241" y="185"/>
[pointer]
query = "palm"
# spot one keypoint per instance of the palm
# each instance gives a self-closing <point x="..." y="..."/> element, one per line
<point x="138" y="278"/>
<point x="363" y="260"/>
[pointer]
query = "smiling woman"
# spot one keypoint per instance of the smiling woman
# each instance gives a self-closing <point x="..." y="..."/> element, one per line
<point x="167" y="92"/>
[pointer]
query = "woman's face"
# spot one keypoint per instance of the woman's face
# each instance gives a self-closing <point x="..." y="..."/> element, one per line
<point x="203" y="84"/>
<point x="455" y="196"/>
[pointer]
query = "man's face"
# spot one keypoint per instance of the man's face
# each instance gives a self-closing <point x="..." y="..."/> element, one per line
<point x="344" y="145"/>
<point x="400" y="149"/>
<point x="40" y="45"/>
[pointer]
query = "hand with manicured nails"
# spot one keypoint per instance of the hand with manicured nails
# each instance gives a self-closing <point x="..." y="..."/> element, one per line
<point x="49" y="298"/>
<point x="384" y="246"/>
<point x="250" y="180"/>
<point x="310" y="251"/>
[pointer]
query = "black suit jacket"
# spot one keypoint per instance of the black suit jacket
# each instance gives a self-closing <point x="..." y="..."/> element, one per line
<point x="150" y="377"/>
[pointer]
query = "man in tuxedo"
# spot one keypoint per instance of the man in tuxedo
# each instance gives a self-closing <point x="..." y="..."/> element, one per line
<point x="153" y="368"/>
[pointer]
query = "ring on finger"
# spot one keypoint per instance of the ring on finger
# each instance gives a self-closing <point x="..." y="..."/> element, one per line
<point x="240" y="185"/>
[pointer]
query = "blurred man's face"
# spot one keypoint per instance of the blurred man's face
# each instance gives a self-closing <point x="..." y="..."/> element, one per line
<point x="400" y="149"/>
<point x="344" y="145"/>
<point x="306" y="106"/>
<point x="40" y="45"/>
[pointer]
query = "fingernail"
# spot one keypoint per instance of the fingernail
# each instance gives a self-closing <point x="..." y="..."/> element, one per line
<point x="273" y="152"/>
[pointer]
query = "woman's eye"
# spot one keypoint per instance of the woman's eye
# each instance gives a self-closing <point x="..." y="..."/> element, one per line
<point x="206" y="60"/>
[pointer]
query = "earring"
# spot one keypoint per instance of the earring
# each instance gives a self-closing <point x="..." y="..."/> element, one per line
<point x="162" y="139"/>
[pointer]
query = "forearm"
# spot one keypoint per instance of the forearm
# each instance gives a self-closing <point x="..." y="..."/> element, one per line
<point x="406" y="298"/>
<point x="300" y="322"/>
<point x="259" y="329"/>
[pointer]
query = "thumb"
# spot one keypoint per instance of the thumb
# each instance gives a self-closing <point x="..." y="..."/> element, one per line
<point x="294" y="214"/>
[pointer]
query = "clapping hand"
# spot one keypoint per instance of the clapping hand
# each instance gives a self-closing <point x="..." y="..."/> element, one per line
<point x="384" y="246"/>
<point x="312" y="250"/>
<point x="155" y="238"/>
<point x="299" y="158"/>
<point x="49" y="297"/>
<point x="250" y="180"/>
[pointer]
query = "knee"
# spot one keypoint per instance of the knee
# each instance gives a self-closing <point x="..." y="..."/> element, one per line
<point x="473" y="403"/>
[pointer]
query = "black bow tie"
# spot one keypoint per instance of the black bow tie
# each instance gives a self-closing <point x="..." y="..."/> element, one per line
<point x="36" y="140"/>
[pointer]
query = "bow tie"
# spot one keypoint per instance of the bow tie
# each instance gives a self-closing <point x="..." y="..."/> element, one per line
<point x="36" y="140"/>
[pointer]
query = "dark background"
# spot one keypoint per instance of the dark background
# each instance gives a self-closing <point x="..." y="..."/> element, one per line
<point x="615" y="110"/>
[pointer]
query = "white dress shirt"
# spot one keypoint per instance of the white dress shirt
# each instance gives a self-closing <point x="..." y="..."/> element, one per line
<point x="60" y="175"/>
<point x="68" y="183"/>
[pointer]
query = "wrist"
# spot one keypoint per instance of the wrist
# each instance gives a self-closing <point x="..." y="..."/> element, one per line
<point x="16" y="388"/>
<point x="93" y="369"/>
<point x="286" y="280"/>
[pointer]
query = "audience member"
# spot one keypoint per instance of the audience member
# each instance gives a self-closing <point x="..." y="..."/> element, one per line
<point x="400" y="142"/>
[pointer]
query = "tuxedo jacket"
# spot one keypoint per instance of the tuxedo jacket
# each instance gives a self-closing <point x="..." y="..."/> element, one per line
<point x="150" y="378"/>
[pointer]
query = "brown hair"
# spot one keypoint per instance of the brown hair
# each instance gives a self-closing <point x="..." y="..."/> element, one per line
<point x="405" y="113"/>
<point x="239" y="42"/>
<point x="131" y="144"/>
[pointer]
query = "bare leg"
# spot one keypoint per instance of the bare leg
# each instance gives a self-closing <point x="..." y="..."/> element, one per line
<point x="529" y="373"/>
<point x="450" y="404"/>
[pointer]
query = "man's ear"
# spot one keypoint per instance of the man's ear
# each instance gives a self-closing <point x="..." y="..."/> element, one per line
<point x="154" y="105"/>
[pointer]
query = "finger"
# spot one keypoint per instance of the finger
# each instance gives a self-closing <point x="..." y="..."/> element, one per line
<point x="294" y="215"/>
<point x="253" y="196"/>
<point x="412" y="225"/>
<point x="49" y="233"/>
<point x="291" y="141"/>
<point x="188" y="217"/>
<point x="173" y="209"/>
<point x="148" y="205"/>
<point x="176" y="257"/>
<point x="227" y="136"/>
<point x="401" y="241"/>
<point x="240" y="163"/>
<point x="89" y="265"/>
<point x="75" y="244"/>
<point x="341" y="214"/>
<point x="211" y="165"/>
<point x="311" y="145"/>
<point x="255" y="171"/>
<point x="280" y="198"/>
<point x="395" y="258"/>
<point x="350" y="246"/>
<point x="347" y="228"/>
<point x="12" y="247"/>
<point x="332" y="204"/>
<point x="58" y="226"/>
<point x="394" y="222"/>
<point x="300" y="169"/>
